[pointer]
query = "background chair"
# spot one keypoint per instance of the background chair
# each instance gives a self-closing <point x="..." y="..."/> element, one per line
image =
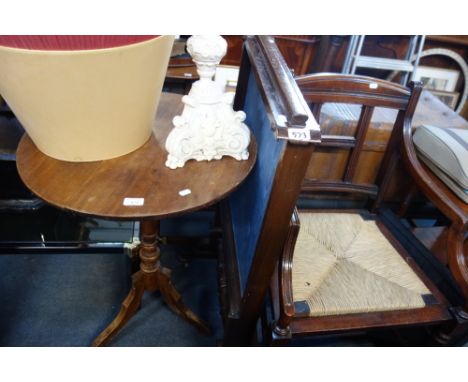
<point x="449" y="243"/>
<point x="344" y="271"/>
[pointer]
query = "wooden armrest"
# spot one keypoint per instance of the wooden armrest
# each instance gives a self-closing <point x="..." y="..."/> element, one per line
<point x="285" y="270"/>
<point x="281" y="283"/>
<point x="448" y="203"/>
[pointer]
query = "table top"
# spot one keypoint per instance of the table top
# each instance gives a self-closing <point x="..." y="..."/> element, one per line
<point x="99" y="188"/>
<point x="182" y="72"/>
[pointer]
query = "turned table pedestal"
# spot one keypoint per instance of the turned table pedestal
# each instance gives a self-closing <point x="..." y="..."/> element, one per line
<point x="102" y="189"/>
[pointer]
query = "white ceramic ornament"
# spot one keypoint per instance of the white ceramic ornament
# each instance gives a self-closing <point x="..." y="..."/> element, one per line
<point x="208" y="127"/>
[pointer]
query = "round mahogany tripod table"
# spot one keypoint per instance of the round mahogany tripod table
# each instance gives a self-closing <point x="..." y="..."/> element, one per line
<point x="100" y="189"/>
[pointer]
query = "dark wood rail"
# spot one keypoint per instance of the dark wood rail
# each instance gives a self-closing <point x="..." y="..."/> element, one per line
<point x="286" y="104"/>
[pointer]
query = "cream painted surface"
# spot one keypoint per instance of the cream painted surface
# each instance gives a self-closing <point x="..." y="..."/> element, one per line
<point x="208" y="127"/>
<point x="86" y="105"/>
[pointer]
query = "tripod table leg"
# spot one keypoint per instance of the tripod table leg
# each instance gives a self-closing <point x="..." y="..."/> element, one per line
<point x="129" y="307"/>
<point x="175" y="302"/>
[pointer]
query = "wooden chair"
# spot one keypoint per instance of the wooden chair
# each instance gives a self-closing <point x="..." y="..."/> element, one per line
<point x="256" y="217"/>
<point x="344" y="271"/>
<point x="452" y="244"/>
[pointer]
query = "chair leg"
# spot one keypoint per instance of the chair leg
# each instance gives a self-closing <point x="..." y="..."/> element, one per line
<point x="454" y="333"/>
<point x="405" y="204"/>
<point x="280" y="336"/>
<point x="458" y="330"/>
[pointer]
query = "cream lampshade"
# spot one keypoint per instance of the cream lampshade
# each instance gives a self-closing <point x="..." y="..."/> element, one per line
<point x="84" y="98"/>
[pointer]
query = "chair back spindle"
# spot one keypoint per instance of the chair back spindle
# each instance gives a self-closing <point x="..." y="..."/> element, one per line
<point x="370" y="94"/>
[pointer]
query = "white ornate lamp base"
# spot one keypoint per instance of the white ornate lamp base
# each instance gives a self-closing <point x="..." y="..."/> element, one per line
<point x="208" y="128"/>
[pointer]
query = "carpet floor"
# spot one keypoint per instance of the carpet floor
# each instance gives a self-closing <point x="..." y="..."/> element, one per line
<point x="66" y="300"/>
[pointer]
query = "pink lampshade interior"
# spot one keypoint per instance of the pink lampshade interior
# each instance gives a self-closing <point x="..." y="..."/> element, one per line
<point x="70" y="42"/>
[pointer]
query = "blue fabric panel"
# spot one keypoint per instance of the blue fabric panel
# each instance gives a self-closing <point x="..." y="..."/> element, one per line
<point x="248" y="204"/>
